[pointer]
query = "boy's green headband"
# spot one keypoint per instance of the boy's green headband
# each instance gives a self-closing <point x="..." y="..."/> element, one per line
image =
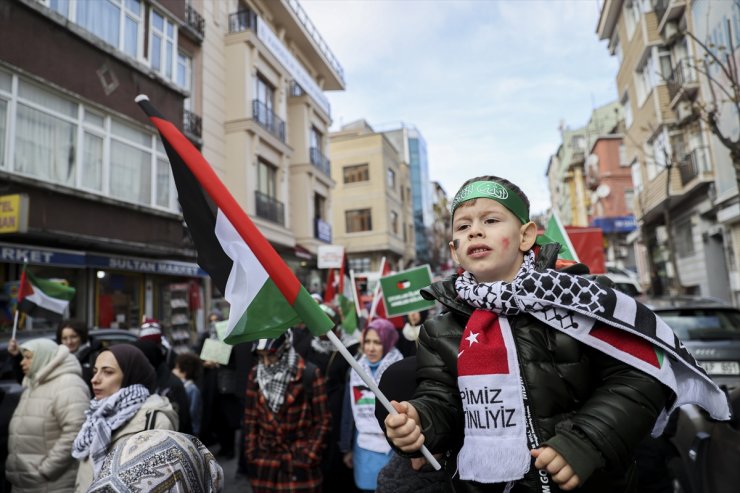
<point x="494" y="191"/>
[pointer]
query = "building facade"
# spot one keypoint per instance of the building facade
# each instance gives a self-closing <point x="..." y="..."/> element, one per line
<point x="372" y="200"/>
<point x="266" y="120"/>
<point x="84" y="178"/>
<point x="679" y="247"/>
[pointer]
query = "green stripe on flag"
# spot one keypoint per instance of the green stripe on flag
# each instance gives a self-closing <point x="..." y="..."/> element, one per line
<point x="660" y="354"/>
<point x="311" y="313"/>
<point x="268" y="315"/>
<point x="349" y="315"/>
<point x="51" y="289"/>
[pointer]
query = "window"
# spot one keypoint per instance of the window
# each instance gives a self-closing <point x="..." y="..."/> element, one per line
<point x="665" y="61"/>
<point x="358" y="220"/>
<point x="319" y="206"/>
<point x="636" y="175"/>
<point x="59" y="140"/>
<point x="117" y="22"/>
<point x="356" y="172"/>
<point x="264" y="92"/>
<point x="684" y="237"/>
<point x="3" y="118"/>
<point x="627" y="110"/>
<point x="394" y="222"/>
<point x="631" y="17"/>
<point x="578" y="142"/>
<point x="629" y="200"/>
<point x="316" y="139"/>
<point x="361" y="264"/>
<point x="162" y="44"/>
<point x="267" y="179"/>
<point x="391" y="178"/>
<point x="185" y="77"/>
<point x="623" y="156"/>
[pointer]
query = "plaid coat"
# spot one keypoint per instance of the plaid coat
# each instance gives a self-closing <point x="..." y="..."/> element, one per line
<point x="283" y="449"/>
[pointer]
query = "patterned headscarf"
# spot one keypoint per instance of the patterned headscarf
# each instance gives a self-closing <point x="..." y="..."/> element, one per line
<point x="159" y="460"/>
<point x="43" y="351"/>
<point x="273" y="380"/>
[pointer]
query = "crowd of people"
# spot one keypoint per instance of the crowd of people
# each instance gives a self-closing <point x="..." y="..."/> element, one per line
<point x="494" y="385"/>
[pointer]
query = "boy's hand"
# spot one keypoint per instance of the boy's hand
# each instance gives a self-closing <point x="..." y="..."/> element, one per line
<point x="554" y="463"/>
<point x="403" y="428"/>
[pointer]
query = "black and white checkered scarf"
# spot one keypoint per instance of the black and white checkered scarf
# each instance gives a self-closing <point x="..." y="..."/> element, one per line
<point x="273" y="380"/>
<point x="104" y="417"/>
<point x="589" y="312"/>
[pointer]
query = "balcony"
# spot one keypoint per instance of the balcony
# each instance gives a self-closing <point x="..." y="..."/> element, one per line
<point x="243" y="20"/>
<point x="321" y="230"/>
<point x="319" y="160"/>
<point x="692" y="165"/>
<point x="195" y="21"/>
<point x="269" y="208"/>
<point x="296" y="90"/>
<point x="268" y="120"/>
<point x="668" y="10"/>
<point x="683" y="81"/>
<point x="192" y="124"/>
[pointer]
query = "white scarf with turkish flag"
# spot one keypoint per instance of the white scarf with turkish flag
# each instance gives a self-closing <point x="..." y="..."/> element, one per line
<point x="495" y="449"/>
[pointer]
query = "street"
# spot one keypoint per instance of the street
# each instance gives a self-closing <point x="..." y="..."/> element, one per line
<point x="233" y="483"/>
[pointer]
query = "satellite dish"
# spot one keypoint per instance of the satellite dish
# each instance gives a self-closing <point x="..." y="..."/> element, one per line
<point x="603" y="190"/>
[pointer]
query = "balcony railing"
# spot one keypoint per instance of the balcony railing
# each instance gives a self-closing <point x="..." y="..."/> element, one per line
<point x="269" y="208"/>
<point x="659" y="7"/>
<point x="242" y="20"/>
<point x="319" y="160"/>
<point x="681" y="75"/>
<point x="268" y="120"/>
<point x="692" y="164"/>
<point x="195" y="20"/>
<point x="296" y="89"/>
<point x="192" y="124"/>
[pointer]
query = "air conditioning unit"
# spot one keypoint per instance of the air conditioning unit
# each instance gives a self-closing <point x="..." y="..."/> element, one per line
<point x="670" y="31"/>
<point x="684" y="110"/>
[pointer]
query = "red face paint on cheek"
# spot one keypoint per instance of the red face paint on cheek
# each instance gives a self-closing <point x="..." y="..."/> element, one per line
<point x="505" y="243"/>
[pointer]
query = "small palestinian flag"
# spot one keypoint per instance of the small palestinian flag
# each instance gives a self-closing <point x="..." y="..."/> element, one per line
<point x="265" y="296"/>
<point x="43" y="297"/>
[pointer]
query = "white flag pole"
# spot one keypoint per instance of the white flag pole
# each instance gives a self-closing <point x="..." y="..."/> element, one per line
<point x="374" y="387"/>
<point x="15" y="323"/>
<point x="376" y="294"/>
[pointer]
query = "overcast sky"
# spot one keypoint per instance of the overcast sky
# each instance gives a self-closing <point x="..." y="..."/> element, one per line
<point x="487" y="82"/>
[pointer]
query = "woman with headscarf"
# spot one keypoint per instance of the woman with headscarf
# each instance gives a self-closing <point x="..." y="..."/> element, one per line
<point x="363" y="443"/>
<point x="124" y="404"/>
<point x="159" y="460"/>
<point x="46" y="420"/>
<point x="286" y="419"/>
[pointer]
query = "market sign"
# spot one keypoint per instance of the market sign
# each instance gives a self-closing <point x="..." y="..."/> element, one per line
<point x="13" y="213"/>
<point x="330" y="256"/>
<point x="401" y="291"/>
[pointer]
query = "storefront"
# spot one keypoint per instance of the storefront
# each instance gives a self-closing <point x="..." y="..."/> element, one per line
<point x="113" y="291"/>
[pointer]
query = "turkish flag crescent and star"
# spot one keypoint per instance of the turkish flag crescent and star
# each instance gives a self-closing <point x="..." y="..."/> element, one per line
<point x="482" y="348"/>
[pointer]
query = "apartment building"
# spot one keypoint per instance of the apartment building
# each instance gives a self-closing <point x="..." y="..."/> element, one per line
<point x="266" y="120"/>
<point x="441" y="232"/>
<point x="372" y="202"/>
<point x="84" y="182"/>
<point x="566" y="175"/>
<point x="673" y="170"/>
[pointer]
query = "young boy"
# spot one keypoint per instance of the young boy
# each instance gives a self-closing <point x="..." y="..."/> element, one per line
<point x="188" y="368"/>
<point x="509" y="376"/>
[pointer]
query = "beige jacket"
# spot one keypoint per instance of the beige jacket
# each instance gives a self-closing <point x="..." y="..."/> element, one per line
<point x="165" y="419"/>
<point x="49" y="415"/>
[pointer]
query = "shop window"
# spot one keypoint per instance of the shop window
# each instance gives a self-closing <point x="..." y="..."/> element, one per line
<point x="3" y="117"/>
<point x="119" y="300"/>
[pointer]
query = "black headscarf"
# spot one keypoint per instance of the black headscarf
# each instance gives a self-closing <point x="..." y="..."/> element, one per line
<point x="135" y="366"/>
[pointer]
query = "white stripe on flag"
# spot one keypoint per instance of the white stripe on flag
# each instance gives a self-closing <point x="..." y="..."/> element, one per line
<point x="247" y="274"/>
<point x="626" y="308"/>
<point x="663" y="332"/>
<point x="47" y="302"/>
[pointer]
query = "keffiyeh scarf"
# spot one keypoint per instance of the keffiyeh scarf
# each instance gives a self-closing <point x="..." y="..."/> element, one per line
<point x="273" y="380"/>
<point x="104" y="417"/>
<point x="605" y="319"/>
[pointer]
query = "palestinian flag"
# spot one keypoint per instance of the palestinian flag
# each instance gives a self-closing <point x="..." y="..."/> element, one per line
<point x="345" y="299"/>
<point x="265" y="296"/>
<point x="43" y="297"/>
<point x="555" y="232"/>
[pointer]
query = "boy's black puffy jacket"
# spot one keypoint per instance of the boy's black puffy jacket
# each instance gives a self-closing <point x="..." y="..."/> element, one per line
<point x="591" y="408"/>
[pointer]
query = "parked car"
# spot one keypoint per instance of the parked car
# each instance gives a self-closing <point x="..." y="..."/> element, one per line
<point x="708" y="451"/>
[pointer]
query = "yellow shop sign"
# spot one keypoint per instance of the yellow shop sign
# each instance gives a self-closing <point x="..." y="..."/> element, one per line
<point x="13" y="213"/>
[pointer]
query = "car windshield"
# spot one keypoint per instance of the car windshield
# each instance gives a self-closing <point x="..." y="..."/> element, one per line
<point x="703" y="323"/>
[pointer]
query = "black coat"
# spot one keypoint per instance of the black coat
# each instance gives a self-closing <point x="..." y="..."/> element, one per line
<point x="591" y="408"/>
